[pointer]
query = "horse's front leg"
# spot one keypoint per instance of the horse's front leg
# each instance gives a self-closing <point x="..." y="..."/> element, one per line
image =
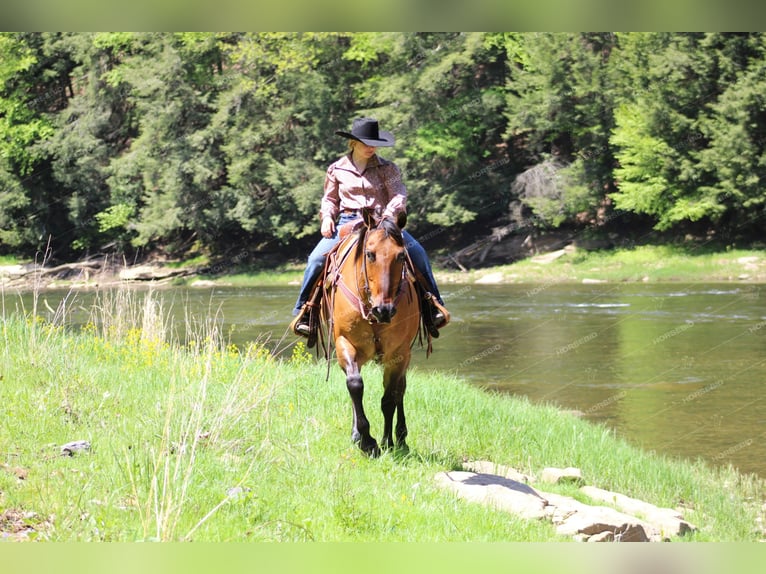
<point x="360" y="432"/>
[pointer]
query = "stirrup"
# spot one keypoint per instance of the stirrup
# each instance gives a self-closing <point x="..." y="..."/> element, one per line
<point x="306" y="323"/>
<point x="300" y="325"/>
<point x="435" y="315"/>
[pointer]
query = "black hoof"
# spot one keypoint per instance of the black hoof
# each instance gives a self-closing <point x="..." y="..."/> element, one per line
<point x="370" y="447"/>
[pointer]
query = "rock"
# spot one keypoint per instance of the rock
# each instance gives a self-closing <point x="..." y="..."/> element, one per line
<point x="17" y="471"/>
<point x="487" y="467"/>
<point x="549" y="257"/>
<point x="16" y="525"/>
<point x="203" y="283"/>
<point x="495" y="491"/>
<point x="556" y="475"/>
<point x="70" y="448"/>
<point x="668" y="521"/>
<point x="490" y="279"/>
<point x="13" y="271"/>
<point x="588" y="281"/>
<point x="572" y="517"/>
<point x="149" y="272"/>
<point x="605" y="536"/>
<point x="750" y="259"/>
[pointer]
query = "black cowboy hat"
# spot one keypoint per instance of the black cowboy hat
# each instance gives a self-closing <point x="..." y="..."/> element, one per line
<point x="366" y="131"/>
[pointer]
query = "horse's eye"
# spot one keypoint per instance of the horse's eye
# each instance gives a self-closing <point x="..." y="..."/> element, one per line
<point x="371" y="256"/>
<point x="400" y="257"/>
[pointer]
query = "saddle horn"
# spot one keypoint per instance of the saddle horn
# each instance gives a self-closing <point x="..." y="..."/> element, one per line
<point x="370" y="217"/>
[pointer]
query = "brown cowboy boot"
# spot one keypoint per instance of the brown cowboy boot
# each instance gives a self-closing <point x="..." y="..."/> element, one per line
<point x="435" y="315"/>
<point x="306" y="322"/>
<point x="300" y="325"/>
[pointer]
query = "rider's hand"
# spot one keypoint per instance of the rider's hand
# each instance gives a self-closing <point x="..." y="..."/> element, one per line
<point x="328" y="227"/>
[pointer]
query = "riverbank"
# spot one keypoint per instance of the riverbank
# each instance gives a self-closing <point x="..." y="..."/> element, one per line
<point x="569" y="265"/>
<point x="647" y="264"/>
<point x="117" y="433"/>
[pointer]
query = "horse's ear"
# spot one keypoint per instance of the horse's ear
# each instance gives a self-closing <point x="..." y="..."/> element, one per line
<point x="401" y="220"/>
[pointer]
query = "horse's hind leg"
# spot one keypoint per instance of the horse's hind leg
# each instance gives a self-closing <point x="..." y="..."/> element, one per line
<point x="401" y="423"/>
<point x="388" y="406"/>
<point x="395" y="384"/>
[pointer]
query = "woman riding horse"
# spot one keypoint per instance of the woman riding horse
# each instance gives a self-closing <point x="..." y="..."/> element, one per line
<point x="363" y="180"/>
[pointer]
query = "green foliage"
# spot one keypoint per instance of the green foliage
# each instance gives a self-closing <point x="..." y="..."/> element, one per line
<point x="114" y="217"/>
<point x="560" y="109"/>
<point x="643" y="187"/>
<point x="690" y="132"/>
<point x="735" y="157"/>
<point x="223" y="138"/>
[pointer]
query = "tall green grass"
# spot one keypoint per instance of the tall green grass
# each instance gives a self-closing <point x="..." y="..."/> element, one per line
<point x="195" y="439"/>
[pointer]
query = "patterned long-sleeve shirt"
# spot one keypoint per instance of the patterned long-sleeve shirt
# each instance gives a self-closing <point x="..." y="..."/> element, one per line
<point x="378" y="186"/>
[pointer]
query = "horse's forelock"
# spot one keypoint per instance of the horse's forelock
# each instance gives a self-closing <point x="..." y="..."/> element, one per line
<point x="389" y="228"/>
<point x="392" y="230"/>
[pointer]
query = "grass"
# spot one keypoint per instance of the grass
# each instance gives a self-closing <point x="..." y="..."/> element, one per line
<point x="655" y="263"/>
<point x="195" y="439"/>
<point x="8" y="260"/>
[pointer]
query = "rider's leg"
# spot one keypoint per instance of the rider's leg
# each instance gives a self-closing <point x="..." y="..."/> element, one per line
<point x="314" y="267"/>
<point x="419" y="258"/>
<point x="421" y="262"/>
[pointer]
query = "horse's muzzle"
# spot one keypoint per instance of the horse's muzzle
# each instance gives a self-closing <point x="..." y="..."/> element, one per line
<point x="383" y="313"/>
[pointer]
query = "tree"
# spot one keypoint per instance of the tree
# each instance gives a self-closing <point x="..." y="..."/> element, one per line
<point x="441" y="95"/>
<point x="559" y="112"/>
<point x="21" y="126"/>
<point x="685" y="152"/>
<point x="735" y="156"/>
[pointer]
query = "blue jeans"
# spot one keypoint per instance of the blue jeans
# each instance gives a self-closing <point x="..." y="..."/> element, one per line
<point x="317" y="258"/>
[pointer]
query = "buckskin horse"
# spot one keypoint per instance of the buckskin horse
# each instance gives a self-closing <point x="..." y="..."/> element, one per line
<point x="372" y="311"/>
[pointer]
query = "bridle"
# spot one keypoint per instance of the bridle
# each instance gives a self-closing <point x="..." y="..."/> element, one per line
<point x="363" y="298"/>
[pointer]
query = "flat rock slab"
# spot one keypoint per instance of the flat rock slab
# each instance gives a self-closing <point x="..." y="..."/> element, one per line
<point x="487" y="467"/>
<point x="556" y="475"/>
<point x="74" y="447"/>
<point x="510" y="492"/>
<point x="549" y="257"/>
<point x="149" y="272"/>
<point x="495" y="491"/>
<point x="490" y="279"/>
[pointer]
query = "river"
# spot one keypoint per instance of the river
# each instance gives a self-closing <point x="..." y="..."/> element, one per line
<point x="675" y="368"/>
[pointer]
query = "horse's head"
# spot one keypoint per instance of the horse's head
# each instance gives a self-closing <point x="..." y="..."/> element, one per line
<point x="384" y="260"/>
